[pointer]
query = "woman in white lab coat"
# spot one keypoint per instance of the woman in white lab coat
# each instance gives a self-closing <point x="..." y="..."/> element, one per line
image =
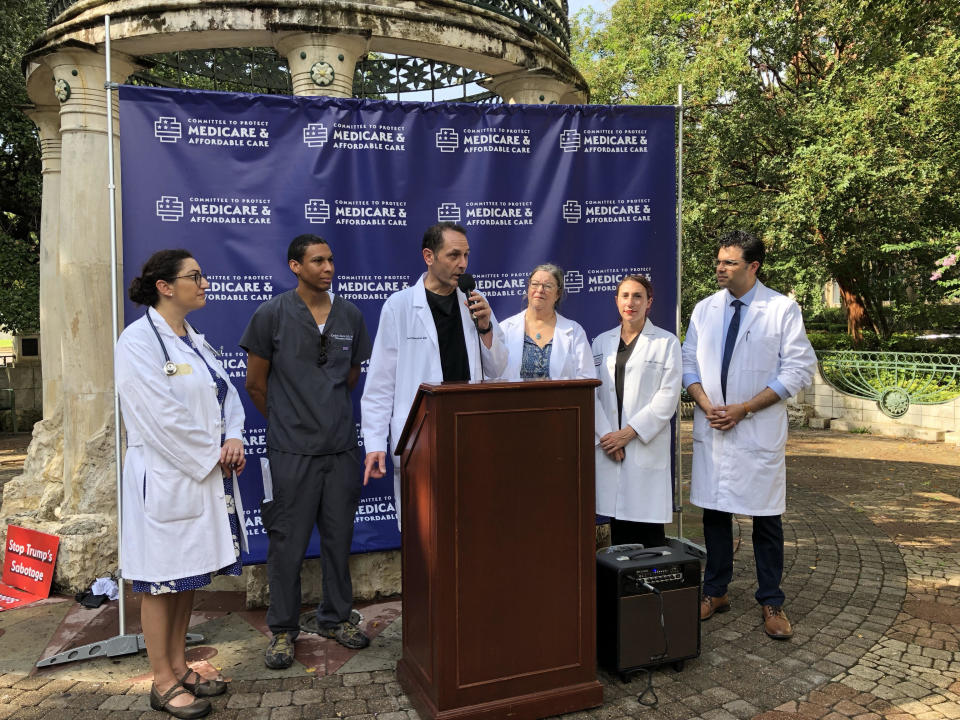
<point x="541" y="342"/>
<point x="184" y="424"/>
<point x="639" y="365"/>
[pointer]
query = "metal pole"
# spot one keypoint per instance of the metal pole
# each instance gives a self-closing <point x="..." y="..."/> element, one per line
<point x="678" y="455"/>
<point x="115" y="321"/>
<point x="122" y="643"/>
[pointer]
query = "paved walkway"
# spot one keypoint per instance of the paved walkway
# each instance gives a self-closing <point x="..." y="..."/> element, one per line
<point x="872" y="579"/>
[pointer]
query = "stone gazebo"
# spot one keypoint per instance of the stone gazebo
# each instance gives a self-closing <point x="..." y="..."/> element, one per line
<point x="516" y="49"/>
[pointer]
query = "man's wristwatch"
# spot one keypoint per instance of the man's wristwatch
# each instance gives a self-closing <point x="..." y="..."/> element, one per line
<point x="748" y="412"/>
<point x="484" y="331"/>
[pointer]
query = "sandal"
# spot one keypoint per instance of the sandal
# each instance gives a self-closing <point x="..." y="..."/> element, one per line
<point x="203" y="687"/>
<point x="197" y="709"/>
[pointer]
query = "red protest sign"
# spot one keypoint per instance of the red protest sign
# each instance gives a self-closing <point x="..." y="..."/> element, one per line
<point x="29" y="559"/>
<point x="11" y="597"/>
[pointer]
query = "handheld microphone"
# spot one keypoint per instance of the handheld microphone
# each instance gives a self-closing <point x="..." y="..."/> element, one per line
<point x="467" y="285"/>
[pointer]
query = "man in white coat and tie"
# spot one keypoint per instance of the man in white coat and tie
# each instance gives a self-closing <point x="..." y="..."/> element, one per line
<point x="746" y="351"/>
<point x="429" y="332"/>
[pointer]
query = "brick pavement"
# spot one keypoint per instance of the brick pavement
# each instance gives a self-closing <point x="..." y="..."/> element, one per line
<point x="873" y="583"/>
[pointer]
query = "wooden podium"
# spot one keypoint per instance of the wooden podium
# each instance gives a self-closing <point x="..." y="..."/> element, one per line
<point x="499" y="594"/>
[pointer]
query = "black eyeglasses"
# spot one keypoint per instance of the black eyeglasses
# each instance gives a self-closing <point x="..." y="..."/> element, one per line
<point x="197" y="277"/>
<point x="322" y="360"/>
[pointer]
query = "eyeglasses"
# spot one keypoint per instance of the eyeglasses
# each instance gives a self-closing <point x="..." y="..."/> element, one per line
<point x="542" y="286"/>
<point x="197" y="277"/>
<point x="322" y="360"/>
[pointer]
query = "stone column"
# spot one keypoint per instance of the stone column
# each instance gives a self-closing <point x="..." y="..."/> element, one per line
<point x="47" y="120"/>
<point x="528" y="87"/>
<point x="321" y="64"/>
<point x="87" y="340"/>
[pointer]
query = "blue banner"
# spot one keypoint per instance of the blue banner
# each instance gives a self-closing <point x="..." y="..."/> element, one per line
<point x="233" y="178"/>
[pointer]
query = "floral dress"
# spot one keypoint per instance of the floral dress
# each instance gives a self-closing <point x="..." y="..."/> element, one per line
<point x="536" y="360"/>
<point x="198" y="581"/>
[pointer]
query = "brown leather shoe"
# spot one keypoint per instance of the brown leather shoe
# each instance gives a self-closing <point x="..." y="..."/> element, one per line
<point x="710" y="605"/>
<point x="775" y="623"/>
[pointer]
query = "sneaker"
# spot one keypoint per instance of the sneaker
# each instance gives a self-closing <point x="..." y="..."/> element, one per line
<point x="279" y="654"/>
<point x="310" y="624"/>
<point x="347" y="634"/>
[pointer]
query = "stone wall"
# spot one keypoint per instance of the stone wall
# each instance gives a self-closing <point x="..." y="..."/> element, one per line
<point x="826" y="402"/>
<point x="26" y="381"/>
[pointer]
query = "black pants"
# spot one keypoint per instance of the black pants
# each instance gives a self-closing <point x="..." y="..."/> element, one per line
<point x="308" y="490"/>
<point x="767" y="551"/>
<point x="649" y="535"/>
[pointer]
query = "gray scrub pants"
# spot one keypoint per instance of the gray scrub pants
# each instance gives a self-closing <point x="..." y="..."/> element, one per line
<point x="307" y="490"/>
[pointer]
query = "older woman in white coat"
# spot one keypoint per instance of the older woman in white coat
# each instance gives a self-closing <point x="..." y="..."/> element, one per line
<point x="541" y="342"/>
<point x="184" y="424"/>
<point x="640" y="367"/>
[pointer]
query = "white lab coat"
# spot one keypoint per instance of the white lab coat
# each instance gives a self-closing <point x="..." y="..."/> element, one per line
<point x="638" y="489"/>
<point x="174" y="518"/>
<point x="406" y="353"/>
<point x="743" y="470"/>
<point x="570" y="356"/>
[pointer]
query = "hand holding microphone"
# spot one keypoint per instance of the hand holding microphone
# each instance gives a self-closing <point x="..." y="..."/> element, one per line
<point x="476" y="303"/>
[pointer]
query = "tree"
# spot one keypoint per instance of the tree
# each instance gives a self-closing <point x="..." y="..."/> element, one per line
<point x="20" y="184"/>
<point x="830" y="127"/>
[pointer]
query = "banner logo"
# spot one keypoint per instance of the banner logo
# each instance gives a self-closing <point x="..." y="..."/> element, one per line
<point x="370" y="287"/>
<point x="169" y="208"/>
<point x="255" y="441"/>
<point x="496" y="140"/>
<point x="569" y="141"/>
<point x="239" y="288"/>
<point x="369" y="136"/>
<point x="572" y="281"/>
<point x="221" y="132"/>
<point x="509" y="284"/>
<point x="606" y="279"/>
<point x="572" y="211"/>
<point x="316" y="210"/>
<point x="608" y="211"/>
<point x="229" y="210"/>
<point x="370" y="212"/>
<point x="499" y="212"/>
<point x="619" y="140"/>
<point x="448" y="212"/>
<point x="315" y="135"/>
<point x="448" y="140"/>
<point x="167" y="129"/>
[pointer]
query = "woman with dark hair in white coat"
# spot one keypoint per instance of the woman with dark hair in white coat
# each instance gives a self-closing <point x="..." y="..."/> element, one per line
<point x="184" y="424"/>
<point x="640" y="367"/>
<point x="541" y="342"/>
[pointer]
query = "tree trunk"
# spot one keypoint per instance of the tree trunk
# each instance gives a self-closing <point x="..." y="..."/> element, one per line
<point x="855" y="309"/>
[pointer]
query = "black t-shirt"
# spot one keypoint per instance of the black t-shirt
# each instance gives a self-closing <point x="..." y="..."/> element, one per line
<point x="624" y="351"/>
<point x="453" y="348"/>
<point x="309" y="408"/>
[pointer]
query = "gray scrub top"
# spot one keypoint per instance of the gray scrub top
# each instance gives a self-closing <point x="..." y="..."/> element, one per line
<point x="309" y="409"/>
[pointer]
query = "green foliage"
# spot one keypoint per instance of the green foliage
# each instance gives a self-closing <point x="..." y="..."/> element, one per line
<point x="898" y="342"/>
<point x="829" y="127"/>
<point x="20" y="185"/>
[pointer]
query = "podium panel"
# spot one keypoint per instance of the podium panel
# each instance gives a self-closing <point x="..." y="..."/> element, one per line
<point x="498" y="550"/>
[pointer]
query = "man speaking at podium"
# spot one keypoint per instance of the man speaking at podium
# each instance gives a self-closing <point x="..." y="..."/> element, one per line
<point x="429" y="332"/>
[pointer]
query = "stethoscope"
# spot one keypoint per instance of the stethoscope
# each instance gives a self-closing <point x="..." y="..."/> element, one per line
<point x="169" y="366"/>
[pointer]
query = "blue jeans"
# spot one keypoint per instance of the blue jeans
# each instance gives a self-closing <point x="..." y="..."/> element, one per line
<point x="767" y="551"/>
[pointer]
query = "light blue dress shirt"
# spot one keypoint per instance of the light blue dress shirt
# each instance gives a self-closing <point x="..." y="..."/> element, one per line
<point x="747" y="298"/>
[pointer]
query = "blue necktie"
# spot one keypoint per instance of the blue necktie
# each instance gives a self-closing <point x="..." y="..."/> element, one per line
<point x="731" y="340"/>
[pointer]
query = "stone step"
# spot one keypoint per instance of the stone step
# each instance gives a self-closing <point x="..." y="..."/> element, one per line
<point x="888" y="429"/>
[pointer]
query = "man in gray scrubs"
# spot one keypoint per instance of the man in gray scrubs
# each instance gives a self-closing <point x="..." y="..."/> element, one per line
<point x="304" y="349"/>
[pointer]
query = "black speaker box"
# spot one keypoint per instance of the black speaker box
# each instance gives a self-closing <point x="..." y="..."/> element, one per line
<point x="636" y="588"/>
